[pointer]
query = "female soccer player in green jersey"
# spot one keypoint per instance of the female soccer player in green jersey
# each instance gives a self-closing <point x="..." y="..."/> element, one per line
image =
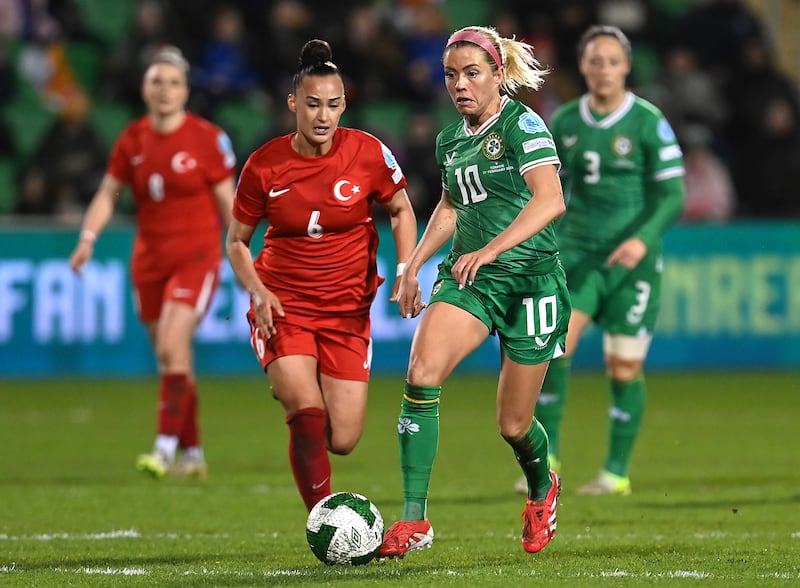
<point x="501" y="193"/>
<point x="623" y="176"/>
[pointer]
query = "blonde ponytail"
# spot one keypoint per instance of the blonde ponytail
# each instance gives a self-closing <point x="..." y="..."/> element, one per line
<point x="522" y="69"/>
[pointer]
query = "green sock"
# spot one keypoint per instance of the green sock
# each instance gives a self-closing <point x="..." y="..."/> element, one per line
<point x="531" y="453"/>
<point x="550" y="405"/>
<point x="418" y="433"/>
<point x="628" y="399"/>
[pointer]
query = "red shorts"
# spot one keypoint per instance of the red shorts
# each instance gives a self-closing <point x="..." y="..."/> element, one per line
<point x="341" y="345"/>
<point x="191" y="283"/>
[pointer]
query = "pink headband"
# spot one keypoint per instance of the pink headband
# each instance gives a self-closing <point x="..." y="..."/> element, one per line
<point x="476" y="39"/>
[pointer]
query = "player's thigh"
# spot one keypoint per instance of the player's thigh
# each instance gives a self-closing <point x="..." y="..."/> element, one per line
<point x="346" y="404"/>
<point x="578" y="321"/>
<point x="446" y="334"/>
<point x="295" y="382"/>
<point x="174" y="334"/>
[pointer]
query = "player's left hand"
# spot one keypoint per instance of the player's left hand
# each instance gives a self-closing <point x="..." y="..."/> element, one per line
<point x="628" y="254"/>
<point x="466" y="267"/>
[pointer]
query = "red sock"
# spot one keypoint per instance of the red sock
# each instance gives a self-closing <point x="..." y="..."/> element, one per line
<point x="309" y="455"/>
<point x="190" y="433"/>
<point x="172" y="404"/>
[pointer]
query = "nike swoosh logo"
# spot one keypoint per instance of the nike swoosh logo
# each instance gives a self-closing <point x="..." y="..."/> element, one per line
<point x="320" y="485"/>
<point x="274" y="193"/>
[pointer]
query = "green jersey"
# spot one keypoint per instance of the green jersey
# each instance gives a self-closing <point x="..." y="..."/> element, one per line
<point x="622" y="174"/>
<point x="483" y="173"/>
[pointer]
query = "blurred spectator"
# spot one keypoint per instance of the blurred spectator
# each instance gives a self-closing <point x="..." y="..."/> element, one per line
<point x="710" y="195"/>
<point x="28" y="20"/>
<point x="6" y="143"/>
<point x="122" y="79"/>
<point x="419" y="164"/>
<point x="68" y="15"/>
<point x="687" y="95"/>
<point x="285" y="27"/>
<point x="629" y="15"/>
<point x="224" y="70"/>
<point x="764" y="134"/>
<point x="7" y="83"/>
<point x="370" y="55"/>
<point x="62" y="176"/>
<point x="716" y="30"/>
<point x="557" y="88"/>
<point x="425" y="35"/>
<point x="570" y="19"/>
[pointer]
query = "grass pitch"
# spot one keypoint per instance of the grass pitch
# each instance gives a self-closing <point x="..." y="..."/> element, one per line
<point x="716" y="490"/>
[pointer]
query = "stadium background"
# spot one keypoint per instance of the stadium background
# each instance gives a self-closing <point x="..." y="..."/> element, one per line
<point x="732" y="289"/>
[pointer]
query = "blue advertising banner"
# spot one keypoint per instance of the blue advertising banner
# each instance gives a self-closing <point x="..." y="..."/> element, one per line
<point x="731" y="300"/>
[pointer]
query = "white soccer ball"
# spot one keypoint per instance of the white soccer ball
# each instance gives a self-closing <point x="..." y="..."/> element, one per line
<point x="344" y="528"/>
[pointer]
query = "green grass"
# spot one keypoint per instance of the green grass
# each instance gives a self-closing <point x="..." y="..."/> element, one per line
<point x="716" y="496"/>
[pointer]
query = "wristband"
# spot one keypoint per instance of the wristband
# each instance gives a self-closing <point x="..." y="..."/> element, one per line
<point x="401" y="267"/>
<point x="88" y="236"/>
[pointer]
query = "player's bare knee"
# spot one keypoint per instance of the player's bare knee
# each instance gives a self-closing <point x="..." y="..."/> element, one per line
<point x="513" y="429"/>
<point x="342" y="447"/>
<point x="623" y="370"/>
<point x="420" y="374"/>
<point x="342" y="444"/>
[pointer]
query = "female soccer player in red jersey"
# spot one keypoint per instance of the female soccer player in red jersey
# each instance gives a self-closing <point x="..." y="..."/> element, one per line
<point x="314" y="280"/>
<point x="180" y="169"/>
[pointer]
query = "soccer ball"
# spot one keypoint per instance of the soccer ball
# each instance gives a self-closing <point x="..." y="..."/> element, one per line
<point x="344" y="528"/>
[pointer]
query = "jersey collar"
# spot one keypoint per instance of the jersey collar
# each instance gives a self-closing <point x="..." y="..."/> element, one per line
<point x="489" y="122"/>
<point x="609" y="120"/>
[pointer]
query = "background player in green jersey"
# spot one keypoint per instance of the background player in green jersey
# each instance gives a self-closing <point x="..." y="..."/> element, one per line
<point x="501" y="193"/>
<point x="622" y="170"/>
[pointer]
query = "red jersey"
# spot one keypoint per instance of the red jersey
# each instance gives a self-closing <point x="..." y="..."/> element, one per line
<point x="319" y="254"/>
<point x="171" y="176"/>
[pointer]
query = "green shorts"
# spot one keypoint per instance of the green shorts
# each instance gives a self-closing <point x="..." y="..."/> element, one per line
<point x="529" y="312"/>
<point x="620" y="301"/>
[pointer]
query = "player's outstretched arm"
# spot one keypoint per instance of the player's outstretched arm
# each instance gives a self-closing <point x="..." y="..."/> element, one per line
<point x="100" y="211"/>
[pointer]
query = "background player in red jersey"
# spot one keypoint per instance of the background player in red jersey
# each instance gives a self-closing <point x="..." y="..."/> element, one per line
<point x="314" y="280"/>
<point x="180" y="169"/>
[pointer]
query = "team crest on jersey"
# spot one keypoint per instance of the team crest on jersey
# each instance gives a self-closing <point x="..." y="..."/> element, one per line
<point x="622" y="145"/>
<point x="493" y="147"/>
<point x="344" y="190"/>
<point x="436" y="287"/>
<point x="182" y="162"/>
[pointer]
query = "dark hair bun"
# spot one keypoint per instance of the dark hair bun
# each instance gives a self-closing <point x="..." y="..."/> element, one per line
<point x="315" y="52"/>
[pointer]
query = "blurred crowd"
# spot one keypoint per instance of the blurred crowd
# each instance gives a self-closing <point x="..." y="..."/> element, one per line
<point x="710" y="66"/>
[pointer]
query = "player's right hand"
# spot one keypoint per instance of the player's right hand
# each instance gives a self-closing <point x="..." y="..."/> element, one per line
<point x="265" y="306"/>
<point x="81" y="254"/>
<point x="409" y="296"/>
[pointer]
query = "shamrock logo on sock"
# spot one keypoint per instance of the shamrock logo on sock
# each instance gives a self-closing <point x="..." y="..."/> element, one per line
<point x="405" y="424"/>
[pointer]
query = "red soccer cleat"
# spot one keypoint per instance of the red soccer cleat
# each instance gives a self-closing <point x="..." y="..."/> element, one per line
<point x="405" y="536"/>
<point x="539" y="518"/>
